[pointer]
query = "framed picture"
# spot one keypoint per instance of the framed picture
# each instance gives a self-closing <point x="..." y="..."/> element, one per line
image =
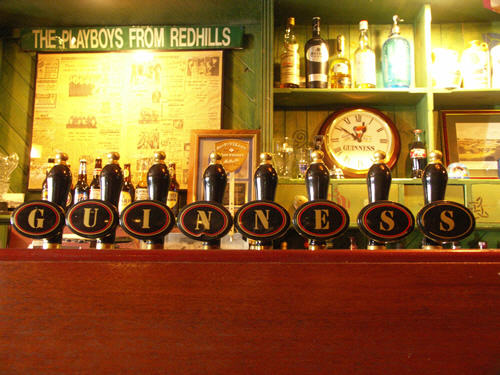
<point x="472" y="138"/>
<point x="239" y="150"/>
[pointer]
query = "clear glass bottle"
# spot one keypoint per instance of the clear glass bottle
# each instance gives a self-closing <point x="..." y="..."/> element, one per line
<point x="418" y="154"/>
<point x="141" y="189"/>
<point x="475" y="65"/>
<point x="316" y="55"/>
<point x="289" y="58"/>
<point x="396" y="55"/>
<point x="340" y="67"/>
<point x="365" y="74"/>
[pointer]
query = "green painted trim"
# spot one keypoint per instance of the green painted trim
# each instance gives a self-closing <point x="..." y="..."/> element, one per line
<point x="267" y="75"/>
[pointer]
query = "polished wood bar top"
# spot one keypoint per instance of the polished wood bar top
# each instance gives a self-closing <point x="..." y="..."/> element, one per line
<point x="249" y="312"/>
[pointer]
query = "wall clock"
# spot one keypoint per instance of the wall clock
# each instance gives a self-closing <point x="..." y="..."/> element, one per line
<point x="352" y="136"/>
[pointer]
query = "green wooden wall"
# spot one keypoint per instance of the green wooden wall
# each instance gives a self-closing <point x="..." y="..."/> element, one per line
<point x="242" y="87"/>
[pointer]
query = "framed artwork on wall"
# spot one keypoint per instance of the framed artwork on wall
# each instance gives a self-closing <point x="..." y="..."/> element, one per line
<point x="239" y="150"/>
<point x="472" y="138"/>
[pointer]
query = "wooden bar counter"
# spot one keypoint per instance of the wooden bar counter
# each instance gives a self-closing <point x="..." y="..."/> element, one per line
<point x="249" y="312"/>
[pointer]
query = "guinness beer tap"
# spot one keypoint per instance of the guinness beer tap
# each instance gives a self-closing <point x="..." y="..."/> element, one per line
<point x="151" y="220"/>
<point x="263" y="220"/>
<point x="208" y="220"/>
<point x="441" y="221"/>
<point x="381" y="220"/>
<point x="45" y="219"/>
<point x="319" y="219"/>
<point x="98" y="218"/>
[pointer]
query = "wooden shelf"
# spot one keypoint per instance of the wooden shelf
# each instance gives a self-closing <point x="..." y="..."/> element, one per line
<point x="317" y="98"/>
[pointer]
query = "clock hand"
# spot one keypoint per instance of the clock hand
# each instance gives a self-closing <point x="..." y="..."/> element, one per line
<point x="347" y="131"/>
<point x="360" y="131"/>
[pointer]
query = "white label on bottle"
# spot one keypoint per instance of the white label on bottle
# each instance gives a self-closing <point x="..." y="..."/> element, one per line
<point x="125" y="200"/>
<point x="341" y="68"/>
<point x="172" y="199"/>
<point x="317" y="77"/>
<point x="95" y="193"/>
<point x="141" y="194"/>
<point x="418" y="153"/>
<point x="364" y="64"/>
<point x="290" y="68"/>
<point x="318" y="53"/>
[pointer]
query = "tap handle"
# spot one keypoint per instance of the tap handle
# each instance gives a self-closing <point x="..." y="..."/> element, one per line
<point x="158" y="178"/>
<point x="59" y="181"/>
<point x="378" y="179"/>
<point x="434" y="178"/>
<point x="214" y="179"/>
<point x="265" y="178"/>
<point x="111" y="179"/>
<point x="317" y="177"/>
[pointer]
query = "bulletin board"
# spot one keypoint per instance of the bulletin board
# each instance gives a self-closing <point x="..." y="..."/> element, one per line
<point x="88" y="104"/>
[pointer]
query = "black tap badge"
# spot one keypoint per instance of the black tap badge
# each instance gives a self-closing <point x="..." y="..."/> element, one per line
<point x="38" y="219"/>
<point x="386" y="221"/>
<point x="260" y="220"/>
<point x="445" y="221"/>
<point x="321" y="220"/>
<point x="147" y="219"/>
<point x="204" y="221"/>
<point x="92" y="218"/>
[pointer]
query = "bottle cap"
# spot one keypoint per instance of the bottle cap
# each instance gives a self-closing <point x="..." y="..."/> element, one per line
<point x="61" y="158"/>
<point x="379" y="156"/>
<point x="435" y="157"/>
<point x="317" y="156"/>
<point x="159" y="156"/>
<point x="363" y="25"/>
<point x="417" y="131"/>
<point x="265" y="158"/>
<point x="113" y="157"/>
<point x="291" y="21"/>
<point x="215" y="158"/>
<point x="395" y="26"/>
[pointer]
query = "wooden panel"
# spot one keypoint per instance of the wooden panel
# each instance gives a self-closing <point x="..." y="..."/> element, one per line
<point x="249" y="312"/>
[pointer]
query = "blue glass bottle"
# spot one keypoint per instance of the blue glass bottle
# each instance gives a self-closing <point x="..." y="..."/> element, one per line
<point x="396" y="66"/>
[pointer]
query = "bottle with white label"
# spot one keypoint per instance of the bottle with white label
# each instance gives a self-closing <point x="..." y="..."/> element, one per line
<point x="289" y="59"/>
<point x="365" y="74"/>
<point x="316" y="55"/>
<point x="141" y="189"/>
<point x="128" y="192"/>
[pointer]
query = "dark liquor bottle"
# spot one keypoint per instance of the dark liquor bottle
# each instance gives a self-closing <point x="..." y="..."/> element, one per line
<point x="127" y="194"/>
<point x="316" y="55"/>
<point x="418" y="154"/>
<point x="158" y="178"/>
<point x="173" y="190"/>
<point x="82" y="188"/>
<point x="95" y="184"/>
<point x="50" y="164"/>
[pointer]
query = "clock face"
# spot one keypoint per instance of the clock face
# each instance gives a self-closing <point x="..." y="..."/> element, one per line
<point x="353" y="136"/>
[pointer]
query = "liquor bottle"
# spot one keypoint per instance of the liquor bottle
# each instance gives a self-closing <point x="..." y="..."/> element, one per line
<point x="127" y="193"/>
<point x="82" y="188"/>
<point x="141" y="189"/>
<point x="173" y="190"/>
<point x="289" y="59"/>
<point x="340" y="67"/>
<point x="316" y="55"/>
<point x="396" y="66"/>
<point x="50" y="164"/>
<point x="364" y="60"/>
<point x="418" y="154"/>
<point x="95" y="184"/>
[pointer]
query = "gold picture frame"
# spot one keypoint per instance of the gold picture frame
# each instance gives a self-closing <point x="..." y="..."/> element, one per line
<point x="203" y="142"/>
